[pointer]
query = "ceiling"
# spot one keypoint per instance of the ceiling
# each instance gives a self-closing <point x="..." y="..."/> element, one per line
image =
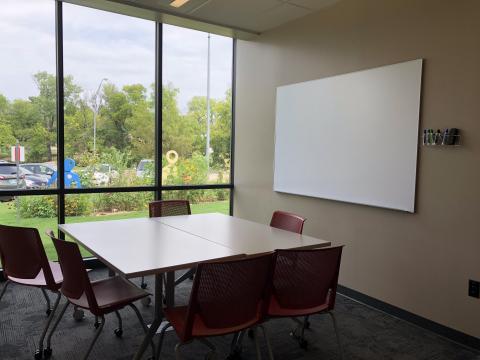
<point x="250" y="16"/>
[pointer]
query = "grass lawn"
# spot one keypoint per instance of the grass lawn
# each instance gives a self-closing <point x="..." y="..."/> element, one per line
<point x="8" y="216"/>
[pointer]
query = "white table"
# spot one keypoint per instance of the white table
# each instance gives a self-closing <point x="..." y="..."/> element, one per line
<point x="158" y="246"/>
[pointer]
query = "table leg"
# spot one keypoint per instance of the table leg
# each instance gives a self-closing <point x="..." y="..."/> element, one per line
<point x="170" y="289"/>
<point x="157" y="319"/>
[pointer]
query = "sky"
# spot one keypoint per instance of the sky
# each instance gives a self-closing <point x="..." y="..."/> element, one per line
<point x="100" y="45"/>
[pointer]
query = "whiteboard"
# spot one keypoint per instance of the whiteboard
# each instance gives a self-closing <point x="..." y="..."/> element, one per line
<point x="352" y="137"/>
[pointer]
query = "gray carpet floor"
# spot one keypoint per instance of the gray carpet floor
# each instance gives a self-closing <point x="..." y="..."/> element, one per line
<point x="366" y="334"/>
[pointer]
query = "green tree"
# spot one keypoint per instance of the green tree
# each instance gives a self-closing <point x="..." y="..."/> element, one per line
<point x="45" y="104"/>
<point x="179" y="132"/>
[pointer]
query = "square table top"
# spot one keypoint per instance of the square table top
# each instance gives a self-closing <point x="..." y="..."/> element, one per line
<point x="141" y="247"/>
<point x="243" y="236"/>
<point x="146" y="246"/>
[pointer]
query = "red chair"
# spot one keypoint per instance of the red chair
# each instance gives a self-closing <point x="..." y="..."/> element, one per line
<point x="170" y="208"/>
<point x="25" y="263"/>
<point x="227" y="297"/>
<point x="305" y="283"/>
<point x="287" y="221"/>
<point x="99" y="297"/>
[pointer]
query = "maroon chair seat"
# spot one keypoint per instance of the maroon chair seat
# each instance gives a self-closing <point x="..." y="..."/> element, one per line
<point x="111" y="294"/>
<point x="304" y="283"/>
<point x="287" y="221"/>
<point x="276" y="310"/>
<point x="40" y="280"/>
<point x="177" y="317"/>
<point x="99" y="297"/>
<point x="25" y="263"/>
<point x="227" y="297"/>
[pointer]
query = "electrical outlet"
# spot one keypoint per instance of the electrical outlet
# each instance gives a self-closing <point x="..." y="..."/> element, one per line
<point x="474" y="288"/>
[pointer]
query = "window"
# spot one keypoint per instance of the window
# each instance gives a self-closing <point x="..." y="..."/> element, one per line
<point x="197" y="102"/>
<point x="116" y="148"/>
<point x="109" y="60"/>
<point x="28" y="115"/>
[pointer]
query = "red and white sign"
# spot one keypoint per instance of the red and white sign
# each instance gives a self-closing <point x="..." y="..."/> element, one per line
<point x="18" y="153"/>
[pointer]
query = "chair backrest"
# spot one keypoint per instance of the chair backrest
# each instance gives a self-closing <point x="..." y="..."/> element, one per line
<point x="230" y="294"/>
<point x="304" y="279"/>
<point x="287" y="221"/>
<point x="75" y="278"/>
<point x="169" y="208"/>
<point x="23" y="255"/>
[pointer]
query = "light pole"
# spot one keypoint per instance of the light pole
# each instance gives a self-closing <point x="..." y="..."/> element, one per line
<point x="207" y="150"/>
<point x="96" y="107"/>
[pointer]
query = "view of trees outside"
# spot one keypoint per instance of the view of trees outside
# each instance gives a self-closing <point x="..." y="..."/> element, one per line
<point x="109" y="65"/>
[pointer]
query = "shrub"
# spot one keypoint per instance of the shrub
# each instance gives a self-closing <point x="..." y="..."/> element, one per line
<point x="121" y="201"/>
<point x="46" y="206"/>
<point x="37" y="206"/>
<point x="78" y="205"/>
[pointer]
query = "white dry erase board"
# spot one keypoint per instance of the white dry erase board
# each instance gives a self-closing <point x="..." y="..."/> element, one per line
<point x="351" y="137"/>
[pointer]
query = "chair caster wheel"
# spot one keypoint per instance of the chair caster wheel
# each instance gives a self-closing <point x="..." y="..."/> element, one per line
<point x="250" y="334"/>
<point x="48" y="312"/>
<point x="38" y="354"/>
<point x="96" y="324"/>
<point x="47" y="353"/>
<point x="78" y="315"/>
<point x="146" y="301"/>
<point x="143" y="285"/>
<point x="118" y="332"/>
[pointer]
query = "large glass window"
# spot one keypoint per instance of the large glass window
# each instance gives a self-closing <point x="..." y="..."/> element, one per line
<point x="28" y="119"/>
<point x="109" y="60"/>
<point x="197" y="102"/>
<point x="32" y="211"/>
<point x="112" y="134"/>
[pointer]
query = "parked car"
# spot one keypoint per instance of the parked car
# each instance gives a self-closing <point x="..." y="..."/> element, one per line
<point x="143" y="166"/>
<point x="46" y="170"/>
<point x="9" y="181"/>
<point x="34" y="181"/>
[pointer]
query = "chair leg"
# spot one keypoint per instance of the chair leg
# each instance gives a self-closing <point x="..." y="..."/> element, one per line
<point x="143" y="284"/>
<point x="188" y="275"/>
<point x="4" y="288"/>
<point x="160" y="341"/>
<point x="144" y="326"/>
<point x="119" y="331"/>
<point x="39" y="351"/>
<point x="257" y="343"/>
<point x="97" y="334"/>
<point x="47" y="299"/>
<point x="267" y="340"/>
<point x="236" y="346"/>
<point x="337" y="334"/>
<point x="306" y="323"/>
<point x="48" y="349"/>
<point x="300" y="338"/>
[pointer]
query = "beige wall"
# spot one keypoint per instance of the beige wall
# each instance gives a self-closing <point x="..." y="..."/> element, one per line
<point x="420" y="262"/>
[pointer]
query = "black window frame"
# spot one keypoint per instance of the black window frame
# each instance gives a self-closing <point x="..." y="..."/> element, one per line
<point x="157" y="188"/>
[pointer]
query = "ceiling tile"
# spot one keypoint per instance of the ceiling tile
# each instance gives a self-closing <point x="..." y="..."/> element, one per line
<point x="235" y="12"/>
<point x="313" y="4"/>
